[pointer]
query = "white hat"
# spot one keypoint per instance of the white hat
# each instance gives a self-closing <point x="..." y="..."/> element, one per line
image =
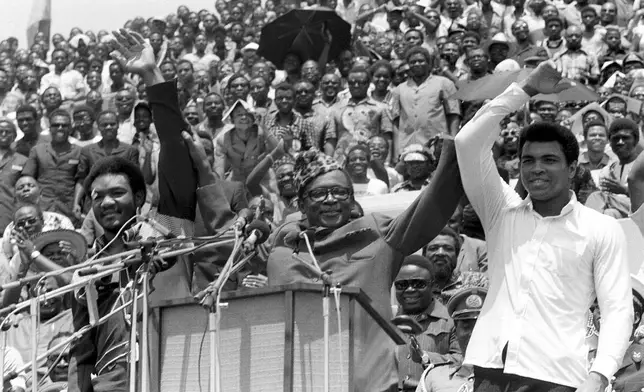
<point x="250" y="46"/>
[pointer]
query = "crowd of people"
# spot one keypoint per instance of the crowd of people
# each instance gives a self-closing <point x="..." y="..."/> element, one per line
<point x="180" y="117"/>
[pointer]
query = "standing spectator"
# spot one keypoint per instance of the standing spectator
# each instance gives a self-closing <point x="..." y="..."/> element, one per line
<point x="27" y="119"/>
<point x="201" y="59"/>
<point x="596" y="138"/>
<point x="83" y="126"/>
<point x="323" y="135"/>
<point x="575" y="63"/>
<point x="11" y="165"/>
<point x="124" y="101"/>
<point x="422" y="108"/>
<point x="287" y="124"/>
<point x="55" y="166"/>
<point x="360" y="117"/>
<point x="554" y="43"/>
<point x="214" y="107"/>
<point x="417" y="167"/>
<point x="71" y="83"/>
<point x="379" y="151"/>
<point x="357" y="163"/>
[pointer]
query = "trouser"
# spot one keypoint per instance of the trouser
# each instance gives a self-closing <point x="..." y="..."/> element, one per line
<point x="102" y="351"/>
<point x="494" y="380"/>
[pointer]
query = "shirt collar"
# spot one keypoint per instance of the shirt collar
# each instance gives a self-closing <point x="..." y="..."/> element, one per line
<point x="568" y="208"/>
<point x="583" y="158"/>
<point x="580" y="50"/>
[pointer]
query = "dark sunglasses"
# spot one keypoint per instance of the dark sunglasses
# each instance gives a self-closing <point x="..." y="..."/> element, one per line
<point x="416" y="284"/>
<point x="23" y="223"/>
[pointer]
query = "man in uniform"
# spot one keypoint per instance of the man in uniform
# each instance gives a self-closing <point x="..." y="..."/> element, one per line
<point x="464" y="308"/>
<point x="630" y="375"/>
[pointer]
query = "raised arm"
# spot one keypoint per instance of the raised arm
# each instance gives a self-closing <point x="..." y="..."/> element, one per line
<point x="177" y="178"/>
<point x="431" y="210"/>
<point x="636" y="189"/>
<point x="485" y="189"/>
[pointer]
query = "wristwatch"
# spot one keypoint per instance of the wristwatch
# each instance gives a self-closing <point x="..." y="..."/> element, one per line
<point x="34" y="254"/>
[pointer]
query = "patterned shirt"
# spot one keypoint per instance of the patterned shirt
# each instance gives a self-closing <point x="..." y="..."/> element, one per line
<point x="323" y="128"/>
<point x="574" y="63"/>
<point x="298" y="135"/>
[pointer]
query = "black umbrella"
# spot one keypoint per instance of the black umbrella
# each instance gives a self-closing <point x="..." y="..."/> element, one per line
<point x="302" y="31"/>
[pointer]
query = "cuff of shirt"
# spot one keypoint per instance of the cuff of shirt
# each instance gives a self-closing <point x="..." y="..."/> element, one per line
<point x="605" y="366"/>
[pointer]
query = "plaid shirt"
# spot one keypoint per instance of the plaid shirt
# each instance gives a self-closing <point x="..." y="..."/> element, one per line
<point x="323" y="128"/>
<point x="298" y="134"/>
<point x="573" y="63"/>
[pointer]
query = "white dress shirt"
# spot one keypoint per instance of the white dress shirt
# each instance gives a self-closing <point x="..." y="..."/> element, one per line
<point x="544" y="272"/>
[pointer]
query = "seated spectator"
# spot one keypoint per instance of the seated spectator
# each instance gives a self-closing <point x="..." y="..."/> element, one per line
<point x="415" y="292"/>
<point x="356" y="164"/>
<point x="58" y="360"/>
<point x="613" y="197"/>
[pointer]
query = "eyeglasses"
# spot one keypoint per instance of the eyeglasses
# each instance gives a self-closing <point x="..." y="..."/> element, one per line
<point x="27" y="222"/>
<point x="416" y="284"/>
<point x="321" y="194"/>
<point x="59" y="126"/>
<point x="357" y="82"/>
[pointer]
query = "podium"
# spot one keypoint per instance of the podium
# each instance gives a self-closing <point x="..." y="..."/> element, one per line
<point x="271" y="339"/>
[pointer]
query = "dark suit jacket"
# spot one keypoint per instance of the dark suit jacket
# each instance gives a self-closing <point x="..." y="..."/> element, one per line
<point x="630" y="375"/>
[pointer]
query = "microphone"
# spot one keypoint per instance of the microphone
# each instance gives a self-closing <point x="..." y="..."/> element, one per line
<point x="243" y="218"/>
<point x="130" y="234"/>
<point x="259" y="231"/>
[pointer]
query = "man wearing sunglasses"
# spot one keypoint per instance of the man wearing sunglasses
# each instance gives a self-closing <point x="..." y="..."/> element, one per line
<point x="414" y="292"/>
<point x="365" y="252"/>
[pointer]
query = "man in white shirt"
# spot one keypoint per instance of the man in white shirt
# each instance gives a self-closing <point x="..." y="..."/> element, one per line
<point x="70" y="83"/>
<point x="549" y="257"/>
<point x="636" y="191"/>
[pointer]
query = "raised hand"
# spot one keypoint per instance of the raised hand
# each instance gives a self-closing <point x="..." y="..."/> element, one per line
<point x="133" y="52"/>
<point x="546" y="79"/>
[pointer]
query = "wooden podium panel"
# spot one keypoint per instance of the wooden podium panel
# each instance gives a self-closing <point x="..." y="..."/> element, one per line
<point x="272" y="339"/>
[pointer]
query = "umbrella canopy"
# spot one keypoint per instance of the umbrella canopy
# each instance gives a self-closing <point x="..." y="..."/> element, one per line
<point x="302" y="31"/>
<point x="491" y="86"/>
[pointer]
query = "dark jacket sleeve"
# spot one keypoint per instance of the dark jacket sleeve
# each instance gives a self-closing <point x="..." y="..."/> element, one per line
<point x="239" y="200"/>
<point x="431" y="210"/>
<point x="31" y="166"/>
<point x="177" y="178"/>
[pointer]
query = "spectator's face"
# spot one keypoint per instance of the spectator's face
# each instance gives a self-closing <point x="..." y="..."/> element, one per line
<point x="591" y="116"/>
<point x="193" y="19"/>
<point x="187" y="34"/>
<point x="168" y="71"/>
<point x="550" y="11"/>
<point x="27" y="190"/>
<point x="394" y="19"/>
<point x="191" y="115"/>
<point x="59" y="58"/>
<point x="52" y="306"/>
<point x="116" y="74"/>
<point x="176" y="45"/>
<point x="260" y="70"/>
<point x="58" y="361"/>
<point x="616" y="108"/>
<point x="94" y="80"/>
<point x="225" y="69"/>
<point x="145" y="31"/>
<point x="83" y="122"/>
<point x="94" y="99"/>
<point x="28" y="221"/>
<point x="358" y="85"/>
<point x="589" y="19"/>
<point x="597" y="138"/>
<point x="311" y="72"/>
<point x="608" y="13"/>
<point x="4" y="80"/>
<point x="236" y="14"/>
<point x="60" y="128"/>
<point x="613" y="39"/>
<point x="414" y="289"/>
<point x="510" y="137"/>
<point x="292" y="63"/>
<point x="108" y="126"/>
<point x="304" y="95"/>
<point x="473" y="22"/>
<point x="27" y="123"/>
<point x="418" y="65"/>
<point x="455" y="222"/>
<point x="521" y="31"/>
<point x="237" y="32"/>
<point x="573" y="38"/>
<point x="346" y="62"/>
<point x="57" y="39"/>
<point x="554" y="29"/>
<point x="330" y="85"/>
<point x="285" y="177"/>
<point x="623" y="144"/>
<point x="213" y="106"/>
<point x="142" y="119"/>
<point x="454" y="8"/>
<point x="450" y="52"/>
<point x="30" y="81"/>
<point x="96" y="66"/>
<point x="413" y="38"/>
<point x="113" y="201"/>
<point x="357" y="162"/>
<point x="547" y="111"/>
<point x="124" y="103"/>
<point x="498" y="52"/>
<point x="82" y="67"/>
<point x="185" y="72"/>
<point x="382" y="79"/>
<point x="7" y="135"/>
<point x="200" y="42"/>
<point x="468" y="43"/>
<point x="240" y="88"/>
<point x="284" y="100"/>
<point x="209" y="22"/>
<point x="544" y="171"/>
<point x="417" y="170"/>
<point x="156" y="41"/>
<point x="477" y="60"/>
<point x="638" y="93"/>
<point x="378" y="148"/>
<point x="241" y="118"/>
<point x="464" y="329"/>
<point x="383" y="47"/>
<point x="442" y="252"/>
<point x="327" y="200"/>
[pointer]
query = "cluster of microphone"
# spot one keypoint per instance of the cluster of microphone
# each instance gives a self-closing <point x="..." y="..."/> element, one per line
<point x="256" y="230"/>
